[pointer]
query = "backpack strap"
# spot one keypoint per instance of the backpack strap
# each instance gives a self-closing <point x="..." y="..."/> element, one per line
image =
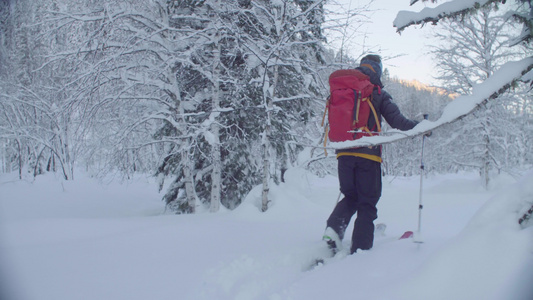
<point x="357" y="106"/>
<point x="375" y="115"/>
<point x="325" y="112"/>
<point x="326" y="130"/>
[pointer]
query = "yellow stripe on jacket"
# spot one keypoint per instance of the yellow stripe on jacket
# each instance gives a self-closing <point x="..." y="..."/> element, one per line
<point x="362" y="155"/>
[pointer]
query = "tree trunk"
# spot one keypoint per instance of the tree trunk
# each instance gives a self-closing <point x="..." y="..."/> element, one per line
<point x="189" y="184"/>
<point x="215" y="130"/>
<point x="486" y="164"/>
<point x="185" y="159"/>
<point x="20" y="162"/>
<point x="485" y="160"/>
<point x="268" y="95"/>
<point x="266" y="169"/>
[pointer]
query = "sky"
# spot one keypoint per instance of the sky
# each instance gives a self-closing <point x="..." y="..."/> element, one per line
<point x="414" y="63"/>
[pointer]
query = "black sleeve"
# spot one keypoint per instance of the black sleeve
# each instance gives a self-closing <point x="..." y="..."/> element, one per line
<point x="393" y="116"/>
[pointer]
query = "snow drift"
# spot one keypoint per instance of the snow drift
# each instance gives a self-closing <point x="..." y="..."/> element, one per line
<point x="85" y="240"/>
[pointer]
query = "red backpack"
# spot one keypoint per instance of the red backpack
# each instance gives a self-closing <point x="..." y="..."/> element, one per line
<point x="349" y="106"/>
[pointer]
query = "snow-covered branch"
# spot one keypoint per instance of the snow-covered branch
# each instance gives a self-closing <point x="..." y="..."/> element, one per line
<point x="448" y="9"/>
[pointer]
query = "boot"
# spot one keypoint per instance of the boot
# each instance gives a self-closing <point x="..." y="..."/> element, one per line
<point x="333" y="240"/>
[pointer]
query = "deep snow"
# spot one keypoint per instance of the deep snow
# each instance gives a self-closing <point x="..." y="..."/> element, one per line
<point x="86" y="240"/>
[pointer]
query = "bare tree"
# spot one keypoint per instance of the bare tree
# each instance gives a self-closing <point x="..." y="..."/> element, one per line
<point x="473" y="48"/>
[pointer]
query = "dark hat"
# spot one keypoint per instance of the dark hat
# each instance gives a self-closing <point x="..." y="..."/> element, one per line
<point x="372" y="62"/>
<point x="371" y="66"/>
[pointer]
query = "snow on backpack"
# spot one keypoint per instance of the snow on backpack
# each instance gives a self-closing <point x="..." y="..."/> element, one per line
<point x="349" y="106"/>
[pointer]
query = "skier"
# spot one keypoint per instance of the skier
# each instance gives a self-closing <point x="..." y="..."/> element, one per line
<point x="359" y="171"/>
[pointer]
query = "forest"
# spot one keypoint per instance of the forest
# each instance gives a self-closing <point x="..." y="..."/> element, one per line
<point x="216" y="97"/>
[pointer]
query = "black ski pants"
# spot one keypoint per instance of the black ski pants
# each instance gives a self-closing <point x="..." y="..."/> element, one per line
<point x="360" y="183"/>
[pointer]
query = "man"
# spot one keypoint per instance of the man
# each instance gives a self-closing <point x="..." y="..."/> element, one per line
<point x="360" y="170"/>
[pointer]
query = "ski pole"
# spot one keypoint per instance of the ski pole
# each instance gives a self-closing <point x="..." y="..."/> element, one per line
<point x="418" y="237"/>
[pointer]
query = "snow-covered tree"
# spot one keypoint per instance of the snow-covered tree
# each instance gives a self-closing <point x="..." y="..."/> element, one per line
<point x="283" y="41"/>
<point x="43" y="99"/>
<point x="472" y="49"/>
<point x="522" y="13"/>
<point x="479" y="54"/>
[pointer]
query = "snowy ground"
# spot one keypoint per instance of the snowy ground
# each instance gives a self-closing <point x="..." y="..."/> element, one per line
<point x="83" y="240"/>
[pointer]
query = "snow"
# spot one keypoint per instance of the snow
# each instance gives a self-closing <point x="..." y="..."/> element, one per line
<point x="447" y="8"/>
<point x="89" y="240"/>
